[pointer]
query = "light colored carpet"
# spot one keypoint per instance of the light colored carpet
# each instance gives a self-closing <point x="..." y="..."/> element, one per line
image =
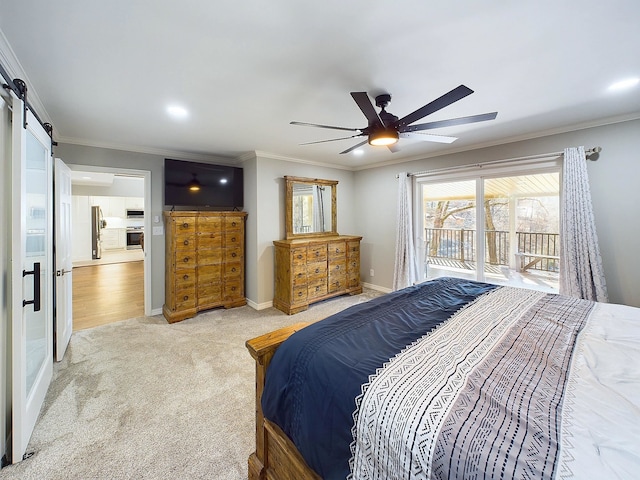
<point x="143" y="399"/>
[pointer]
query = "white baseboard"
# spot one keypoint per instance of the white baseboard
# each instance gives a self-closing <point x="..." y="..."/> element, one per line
<point x="376" y="287"/>
<point x="157" y="311"/>
<point x="259" y="306"/>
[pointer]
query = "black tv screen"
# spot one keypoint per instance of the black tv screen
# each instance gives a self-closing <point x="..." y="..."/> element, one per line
<point x="190" y="184"/>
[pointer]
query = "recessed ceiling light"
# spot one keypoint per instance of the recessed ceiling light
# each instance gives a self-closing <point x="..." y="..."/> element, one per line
<point x="624" y="84"/>
<point x="223" y="180"/>
<point x="358" y="152"/>
<point x="177" y="112"/>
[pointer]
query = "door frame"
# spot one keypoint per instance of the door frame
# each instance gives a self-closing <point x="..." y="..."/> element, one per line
<point x="146" y="175"/>
<point x="477" y="173"/>
<point x="5" y="267"/>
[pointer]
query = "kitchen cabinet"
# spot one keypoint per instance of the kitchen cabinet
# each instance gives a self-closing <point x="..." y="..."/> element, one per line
<point x="113" y="238"/>
<point x="110" y="206"/>
<point x="134" y="203"/>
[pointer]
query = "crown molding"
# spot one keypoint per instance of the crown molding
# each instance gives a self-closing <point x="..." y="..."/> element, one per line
<point x="274" y="156"/>
<point x="13" y="67"/>
<point x="148" y="150"/>
<point x="519" y="138"/>
<point x="246" y="156"/>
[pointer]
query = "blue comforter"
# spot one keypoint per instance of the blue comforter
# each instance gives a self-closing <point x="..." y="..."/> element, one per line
<point x="316" y="375"/>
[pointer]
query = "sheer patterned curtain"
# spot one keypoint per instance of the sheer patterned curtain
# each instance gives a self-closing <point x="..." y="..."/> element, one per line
<point x="581" y="272"/>
<point x="318" y="209"/>
<point x="406" y="266"/>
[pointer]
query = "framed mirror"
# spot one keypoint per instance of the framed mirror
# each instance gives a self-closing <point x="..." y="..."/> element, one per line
<point x="310" y="207"/>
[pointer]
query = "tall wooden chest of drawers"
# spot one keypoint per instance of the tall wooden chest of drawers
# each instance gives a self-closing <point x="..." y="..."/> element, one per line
<point x="313" y="269"/>
<point x="204" y="262"/>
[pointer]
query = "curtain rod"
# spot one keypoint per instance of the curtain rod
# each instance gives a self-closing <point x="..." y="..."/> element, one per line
<point x="591" y="151"/>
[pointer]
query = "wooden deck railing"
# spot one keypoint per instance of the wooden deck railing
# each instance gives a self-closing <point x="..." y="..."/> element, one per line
<point x="536" y="250"/>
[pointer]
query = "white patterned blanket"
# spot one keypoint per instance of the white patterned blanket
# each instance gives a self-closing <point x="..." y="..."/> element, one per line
<point x="502" y="390"/>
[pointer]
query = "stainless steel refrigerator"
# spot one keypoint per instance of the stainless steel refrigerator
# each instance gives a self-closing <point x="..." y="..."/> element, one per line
<point x="97" y="224"/>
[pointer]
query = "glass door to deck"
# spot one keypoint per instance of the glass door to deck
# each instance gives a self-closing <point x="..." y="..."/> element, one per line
<point x="513" y="239"/>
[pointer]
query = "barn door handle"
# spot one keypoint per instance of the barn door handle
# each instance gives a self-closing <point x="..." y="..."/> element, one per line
<point x="36" y="287"/>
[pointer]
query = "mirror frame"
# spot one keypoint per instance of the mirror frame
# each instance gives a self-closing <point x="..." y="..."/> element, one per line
<point x="289" y="180"/>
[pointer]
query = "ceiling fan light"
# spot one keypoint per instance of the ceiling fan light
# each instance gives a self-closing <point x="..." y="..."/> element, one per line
<point x="383" y="138"/>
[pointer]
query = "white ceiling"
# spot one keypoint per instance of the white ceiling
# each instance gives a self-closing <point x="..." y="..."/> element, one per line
<point x="104" y="72"/>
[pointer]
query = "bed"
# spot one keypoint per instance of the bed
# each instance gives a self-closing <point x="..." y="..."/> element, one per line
<point x="452" y="379"/>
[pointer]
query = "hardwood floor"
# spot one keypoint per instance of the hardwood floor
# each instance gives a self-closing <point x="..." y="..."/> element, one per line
<point x="107" y="293"/>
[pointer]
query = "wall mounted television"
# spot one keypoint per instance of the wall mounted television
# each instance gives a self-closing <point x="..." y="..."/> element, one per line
<point x="203" y="185"/>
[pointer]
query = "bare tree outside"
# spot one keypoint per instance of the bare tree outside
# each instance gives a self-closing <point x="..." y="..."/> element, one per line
<point x="450" y="222"/>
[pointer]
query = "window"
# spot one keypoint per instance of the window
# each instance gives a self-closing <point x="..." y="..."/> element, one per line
<point x="499" y="225"/>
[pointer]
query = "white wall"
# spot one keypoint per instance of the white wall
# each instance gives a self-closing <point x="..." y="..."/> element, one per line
<point x="250" y="176"/>
<point x="119" y="159"/>
<point x="614" y="180"/>
<point x="266" y="216"/>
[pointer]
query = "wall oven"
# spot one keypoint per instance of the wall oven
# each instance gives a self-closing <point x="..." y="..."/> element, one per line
<point x="135" y="213"/>
<point x="134" y="237"/>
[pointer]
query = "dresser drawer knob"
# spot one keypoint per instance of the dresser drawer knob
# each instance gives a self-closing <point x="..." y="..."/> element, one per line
<point x="185" y="298"/>
<point x="317" y="270"/>
<point x="317" y="253"/>
<point x="186" y="242"/>
<point x="234" y="254"/>
<point x="337" y="267"/>
<point x="233" y="269"/>
<point x="186" y="277"/>
<point x="233" y="239"/>
<point x="299" y="256"/>
<point x="186" y="259"/>
<point x="233" y="289"/>
<point x="299" y="294"/>
<point x="233" y="224"/>
<point x="317" y="289"/>
<point x="185" y="225"/>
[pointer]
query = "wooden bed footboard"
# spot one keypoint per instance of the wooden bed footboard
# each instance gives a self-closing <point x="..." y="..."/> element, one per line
<point x="276" y="457"/>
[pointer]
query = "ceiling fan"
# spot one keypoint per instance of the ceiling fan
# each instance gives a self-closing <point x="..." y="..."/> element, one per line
<point x="384" y="128"/>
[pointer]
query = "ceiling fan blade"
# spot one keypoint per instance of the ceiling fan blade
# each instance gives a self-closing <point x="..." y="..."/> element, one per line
<point x="451" y="122"/>
<point x="364" y="102"/>
<point x="427" y="137"/>
<point x="394" y="148"/>
<point x="330" y="140"/>
<point x="325" y="126"/>
<point x="445" y="100"/>
<point x="354" y="147"/>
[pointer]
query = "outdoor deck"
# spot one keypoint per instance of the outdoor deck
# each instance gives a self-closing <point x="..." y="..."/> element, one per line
<point x="452" y="252"/>
<point x="499" y="274"/>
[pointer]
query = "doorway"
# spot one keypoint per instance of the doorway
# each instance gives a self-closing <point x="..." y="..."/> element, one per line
<point x="107" y="293"/>
<point x="113" y="283"/>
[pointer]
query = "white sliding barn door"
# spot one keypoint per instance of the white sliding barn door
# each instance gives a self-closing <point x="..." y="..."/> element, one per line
<point x="32" y="274"/>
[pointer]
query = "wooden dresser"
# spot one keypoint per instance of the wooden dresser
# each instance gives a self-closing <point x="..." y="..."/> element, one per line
<point x="204" y="262"/>
<point x="313" y="269"/>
